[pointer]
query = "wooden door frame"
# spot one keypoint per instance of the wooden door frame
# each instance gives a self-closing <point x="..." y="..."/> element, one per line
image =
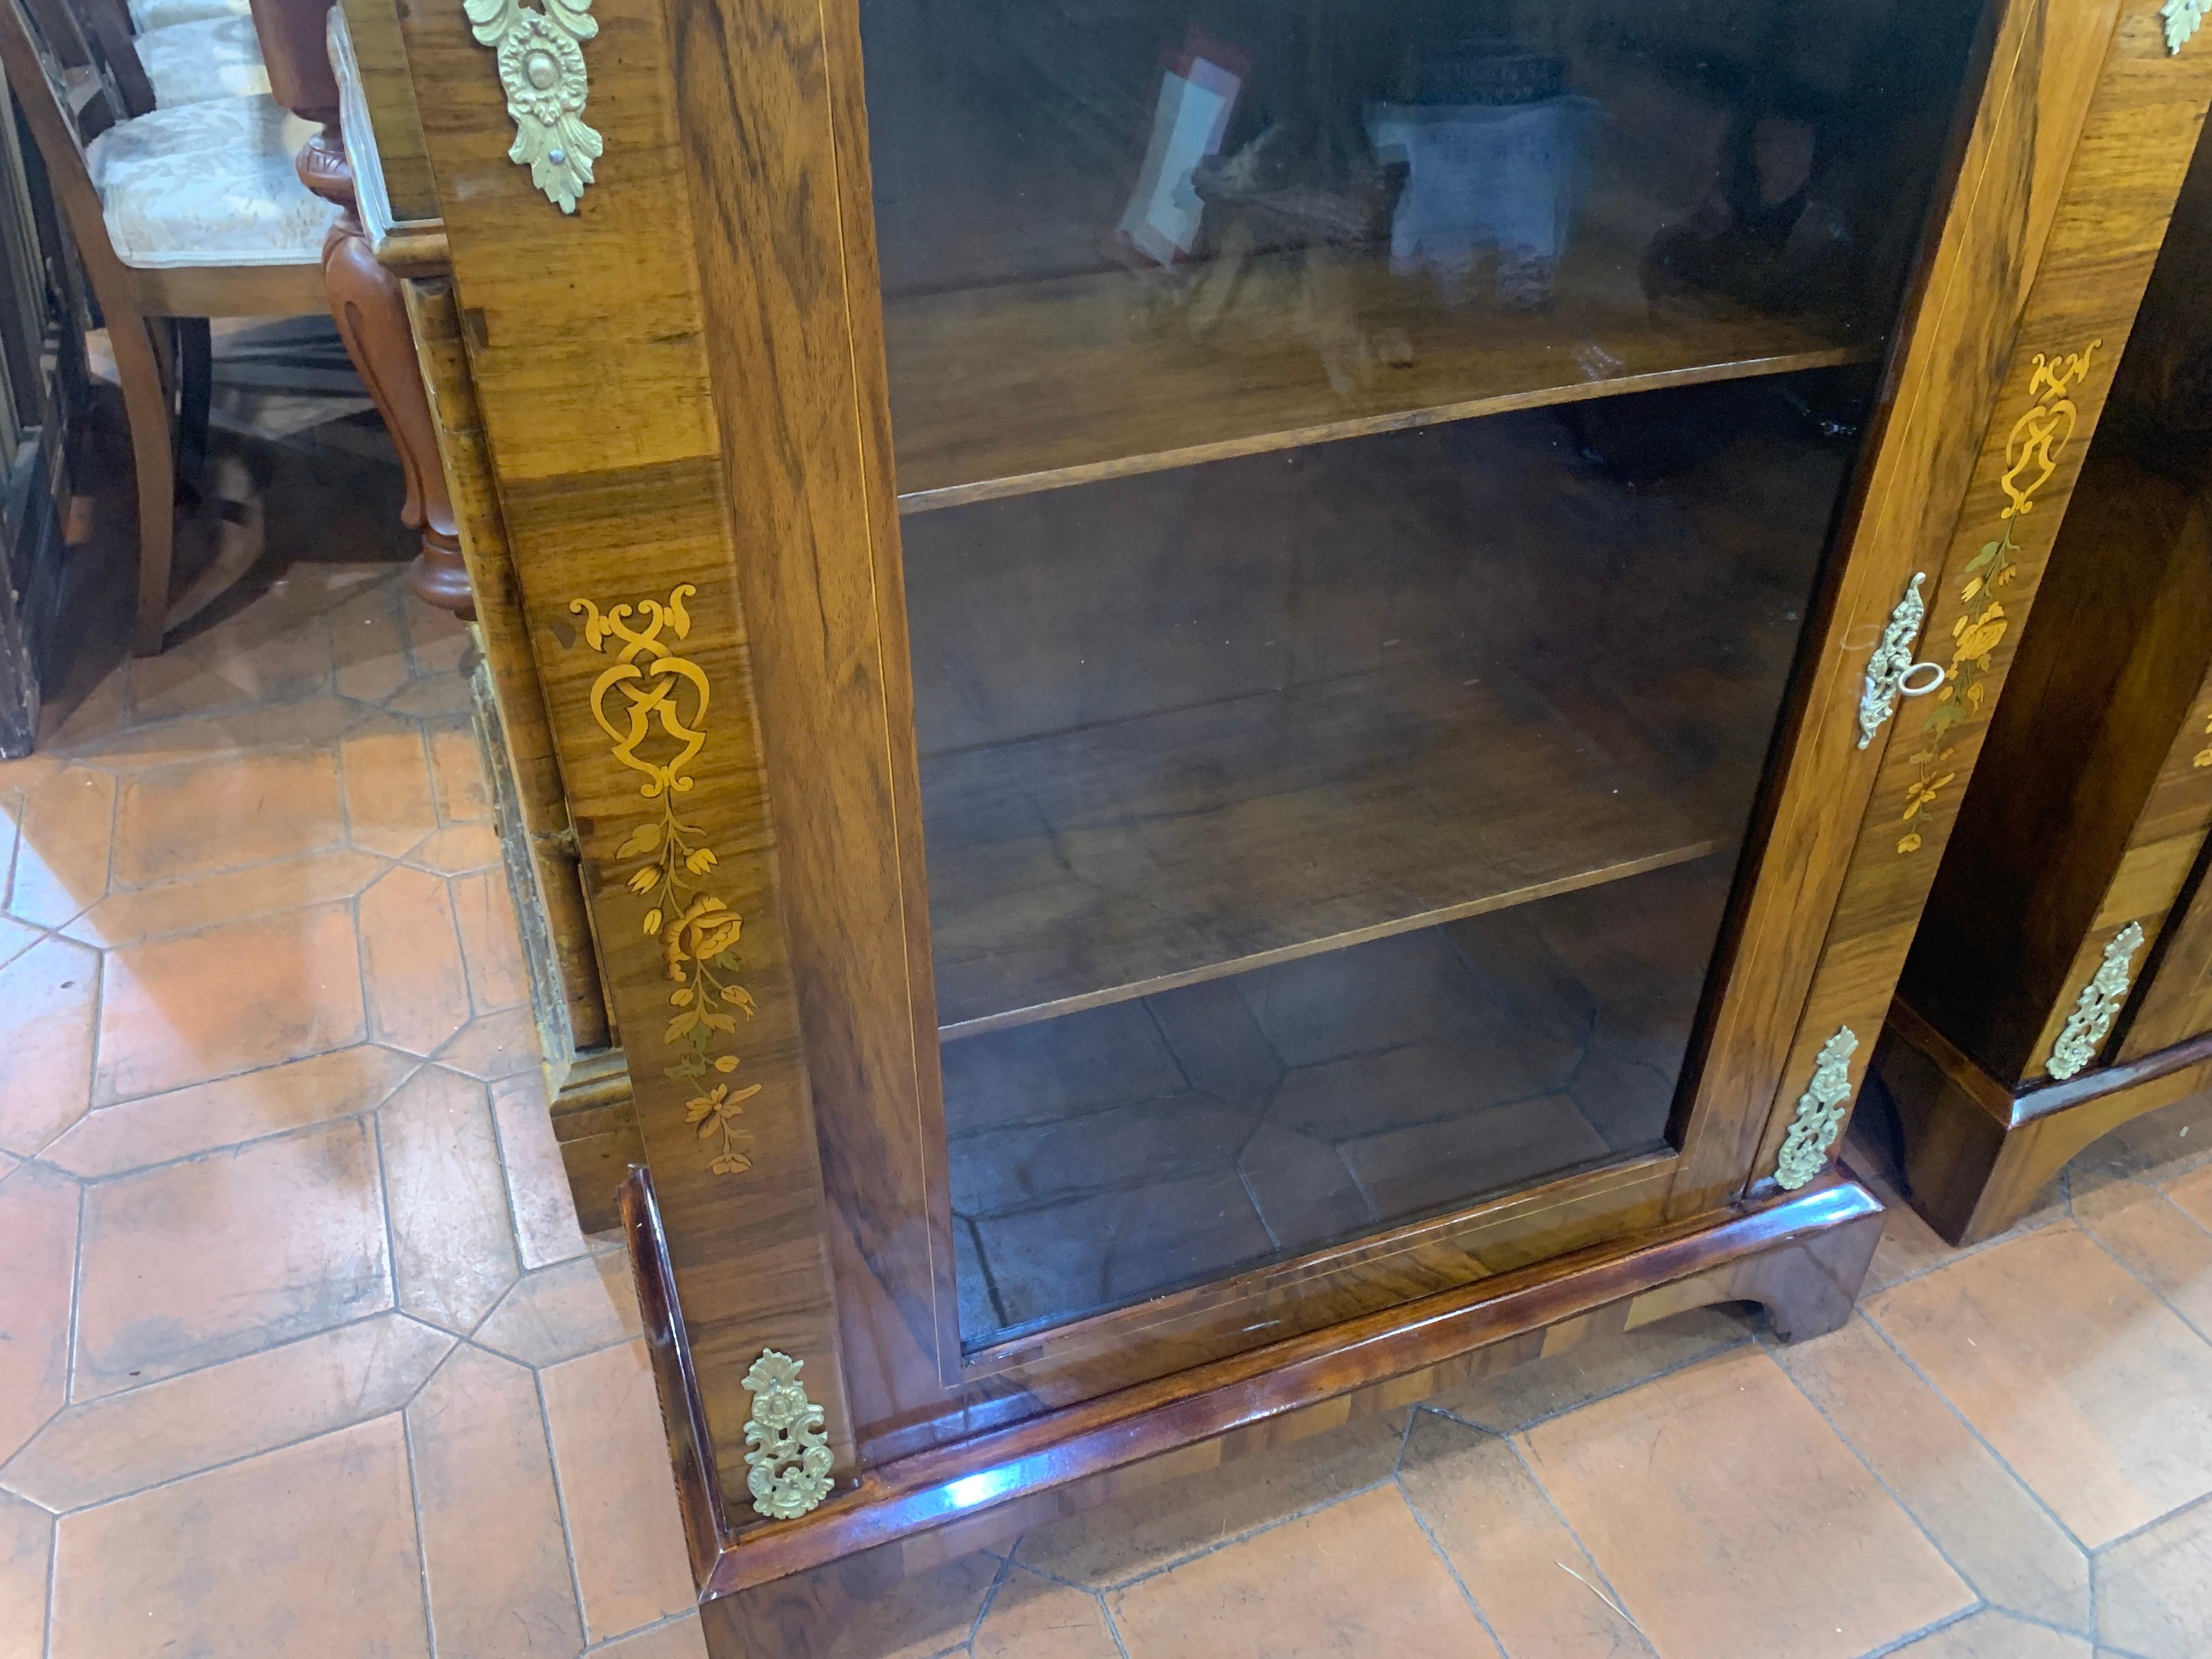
<point x="682" y="385"/>
<point x="837" y="701"/>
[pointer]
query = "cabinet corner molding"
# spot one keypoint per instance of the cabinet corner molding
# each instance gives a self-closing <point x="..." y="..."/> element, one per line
<point x="540" y="58"/>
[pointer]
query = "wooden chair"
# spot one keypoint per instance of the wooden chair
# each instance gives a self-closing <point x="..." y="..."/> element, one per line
<point x="179" y="214"/>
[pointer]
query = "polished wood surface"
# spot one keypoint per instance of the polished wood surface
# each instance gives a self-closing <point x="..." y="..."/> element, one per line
<point x="1977" y="1154"/>
<point x="394" y="125"/>
<point x="584" y="339"/>
<point x="721" y="416"/>
<point x="2111" y="661"/>
<point x="834" y="684"/>
<point x="2119" y="186"/>
<point x="1803" y="1256"/>
<point x="1946" y="378"/>
<point x="1301" y="821"/>
<point x="524" y="732"/>
<point x="1105" y="409"/>
<point x="2089" y="810"/>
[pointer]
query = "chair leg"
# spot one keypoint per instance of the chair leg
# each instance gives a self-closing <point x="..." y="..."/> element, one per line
<point x="195" y="395"/>
<point x="147" y="407"/>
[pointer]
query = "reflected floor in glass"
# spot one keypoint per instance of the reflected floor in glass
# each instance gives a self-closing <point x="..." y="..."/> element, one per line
<point x="1114" y="1153"/>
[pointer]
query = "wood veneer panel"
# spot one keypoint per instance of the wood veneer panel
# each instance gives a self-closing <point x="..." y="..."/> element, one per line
<point x="540" y="800"/>
<point x="583" y="334"/>
<point x="1297" y="822"/>
<point x="1098" y="400"/>
<point x="2108" y="663"/>
<point x="2120" y="184"/>
<point x="1945" y="374"/>
<point x="380" y="56"/>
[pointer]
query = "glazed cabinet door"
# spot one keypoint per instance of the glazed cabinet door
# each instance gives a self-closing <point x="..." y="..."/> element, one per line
<point x="1385" y="575"/>
<point x="1216" y="664"/>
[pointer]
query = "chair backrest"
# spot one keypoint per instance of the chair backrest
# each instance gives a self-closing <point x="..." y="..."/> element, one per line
<point x="106" y="25"/>
<point x="65" y="106"/>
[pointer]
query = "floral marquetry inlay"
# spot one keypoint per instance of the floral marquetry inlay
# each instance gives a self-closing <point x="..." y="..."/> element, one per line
<point x="2034" y="450"/>
<point x="651" y="704"/>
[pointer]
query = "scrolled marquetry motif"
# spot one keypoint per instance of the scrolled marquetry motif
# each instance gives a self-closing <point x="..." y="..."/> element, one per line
<point x="2100" y="1004"/>
<point x="2033" y="448"/>
<point x="540" y="57"/>
<point x="1819" y="1117"/>
<point x="657" y="731"/>
<point x="788" y="1460"/>
<point x="2181" y="18"/>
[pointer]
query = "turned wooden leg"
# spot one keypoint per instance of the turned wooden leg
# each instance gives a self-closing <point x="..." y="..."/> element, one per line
<point x="366" y="300"/>
<point x="371" y="314"/>
<point x="146" y="405"/>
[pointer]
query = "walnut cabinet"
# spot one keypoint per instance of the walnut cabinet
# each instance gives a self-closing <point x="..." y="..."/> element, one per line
<point x="2058" y="985"/>
<point x="1215" y="713"/>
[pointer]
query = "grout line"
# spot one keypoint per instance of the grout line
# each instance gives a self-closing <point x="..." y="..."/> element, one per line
<point x="75" y="1305"/>
<point x="1218" y="1544"/>
<point x="257" y="1071"/>
<point x="1910" y="1637"/>
<point x="661" y="1623"/>
<point x="506" y="1185"/>
<point x="967" y="1644"/>
<point x="53" y="1584"/>
<point x="1882" y="1480"/>
<point x="1954" y="1253"/>
<point x="1981" y="1439"/>
<point x="2128" y="1537"/>
<point x="244" y="1456"/>
<point x="2132" y="1272"/>
<point x="1620" y="1601"/>
<point x="2104" y="1649"/>
<point x="373" y="1125"/>
<point x="1113" y="1624"/>
<point x="561" y="1507"/>
<point x="1444" y="1559"/>
<point x="209" y="1154"/>
<point x="1747" y="1340"/>
<point x="421" y="1548"/>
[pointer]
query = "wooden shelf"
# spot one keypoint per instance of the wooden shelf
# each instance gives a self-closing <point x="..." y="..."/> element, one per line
<point x="1009" y="389"/>
<point x="1110" y="862"/>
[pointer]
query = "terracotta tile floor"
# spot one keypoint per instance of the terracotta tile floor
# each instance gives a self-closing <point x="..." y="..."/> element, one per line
<point x="302" y="1352"/>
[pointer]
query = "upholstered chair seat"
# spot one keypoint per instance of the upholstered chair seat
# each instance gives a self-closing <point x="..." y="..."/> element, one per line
<point x="209" y="58"/>
<point x="209" y="184"/>
<point x="147" y="15"/>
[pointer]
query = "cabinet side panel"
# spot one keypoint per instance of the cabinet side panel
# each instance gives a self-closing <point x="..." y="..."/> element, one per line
<point x="540" y="801"/>
<point x="2126" y="171"/>
<point x="2108" y="663"/>
<point x="583" y="335"/>
<point x="1981" y="263"/>
<point x="775" y="156"/>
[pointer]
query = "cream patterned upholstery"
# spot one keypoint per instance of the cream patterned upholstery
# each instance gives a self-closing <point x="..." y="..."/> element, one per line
<point x="210" y="184"/>
<point x="214" y="57"/>
<point x="147" y="15"/>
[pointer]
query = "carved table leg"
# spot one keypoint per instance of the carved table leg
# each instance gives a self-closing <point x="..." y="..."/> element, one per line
<point x="365" y="299"/>
<point x="371" y="314"/>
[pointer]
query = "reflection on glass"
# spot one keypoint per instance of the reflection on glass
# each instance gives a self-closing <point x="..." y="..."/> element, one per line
<point x="1332" y="799"/>
<point x="1122" y="234"/>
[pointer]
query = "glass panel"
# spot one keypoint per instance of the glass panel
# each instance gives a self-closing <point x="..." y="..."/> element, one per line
<point x="1332" y="798"/>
